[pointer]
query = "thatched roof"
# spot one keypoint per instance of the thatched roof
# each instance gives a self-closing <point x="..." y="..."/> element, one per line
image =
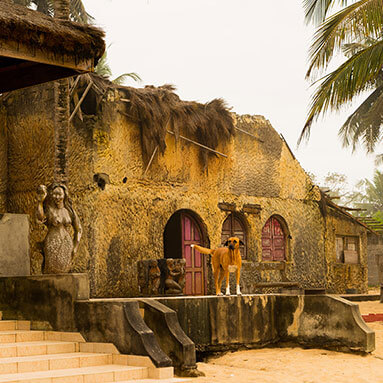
<point x="41" y="32"/>
<point x="157" y="110"/>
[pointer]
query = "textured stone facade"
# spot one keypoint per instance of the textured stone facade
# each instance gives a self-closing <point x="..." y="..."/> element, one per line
<point x="124" y="221"/>
<point x="375" y="259"/>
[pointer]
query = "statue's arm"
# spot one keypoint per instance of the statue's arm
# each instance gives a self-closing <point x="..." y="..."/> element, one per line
<point x="77" y="232"/>
<point x="41" y="195"/>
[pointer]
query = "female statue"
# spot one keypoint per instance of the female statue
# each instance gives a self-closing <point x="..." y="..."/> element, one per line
<point x="55" y="210"/>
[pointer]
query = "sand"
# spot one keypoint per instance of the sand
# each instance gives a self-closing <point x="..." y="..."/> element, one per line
<point x="296" y="365"/>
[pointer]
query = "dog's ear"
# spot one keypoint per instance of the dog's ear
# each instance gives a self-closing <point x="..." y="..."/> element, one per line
<point x="226" y="243"/>
<point x="241" y="243"/>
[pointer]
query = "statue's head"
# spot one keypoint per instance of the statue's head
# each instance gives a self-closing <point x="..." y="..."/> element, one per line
<point x="58" y="193"/>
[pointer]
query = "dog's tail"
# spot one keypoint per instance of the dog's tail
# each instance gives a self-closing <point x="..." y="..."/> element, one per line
<point x="202" y="250"/>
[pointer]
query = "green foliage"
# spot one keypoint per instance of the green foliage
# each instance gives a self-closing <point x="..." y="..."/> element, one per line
<point x="77" y="9"/>
<point x="357" y="31"/>
<point x="103" y="69"/>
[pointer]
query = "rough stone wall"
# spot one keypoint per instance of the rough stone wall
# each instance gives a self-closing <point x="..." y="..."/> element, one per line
<point x="30" y="155"/>
<point x="375" y="258"/>
<point x="3" y="160"/>
<point x="124" y="222"/>
<point x="342" y="276"/>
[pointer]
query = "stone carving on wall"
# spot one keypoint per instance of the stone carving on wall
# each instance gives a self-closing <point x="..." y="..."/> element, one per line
<point x="175" y="276"/>
<point x="55" y="211"/>
<point x="161" y="277"/>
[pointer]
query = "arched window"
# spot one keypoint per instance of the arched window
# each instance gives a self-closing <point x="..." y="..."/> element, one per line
<point x="273" y="240"/>
<point x="234" y="227"/>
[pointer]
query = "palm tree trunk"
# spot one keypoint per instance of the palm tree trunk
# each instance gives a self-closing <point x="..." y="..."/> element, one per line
<point x="62" y="9"/>
<point x="61" y="88"/>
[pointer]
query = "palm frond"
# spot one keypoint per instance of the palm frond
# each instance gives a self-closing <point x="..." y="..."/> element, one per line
<point x="79" y="14"/>
<point x="317" y="10"/>
<point x="120" y="80"/>
<point x="379" y="159"/>
<point x="352" y="48"/>
<point x="361" y="19"/>
<point x="364" y="125"/>
<point x="103" y="68"/>
<point x="341" y="86"/>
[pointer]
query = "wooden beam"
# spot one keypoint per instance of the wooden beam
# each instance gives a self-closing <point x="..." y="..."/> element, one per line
<point x="151" y="159"/>
<point x="249" y="134"/>
<point x="81" y="100"/>
<point x="17" y="50"/>
<point x="198" y="144"/>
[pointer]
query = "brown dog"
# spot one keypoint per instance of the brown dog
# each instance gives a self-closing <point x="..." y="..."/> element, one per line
<point x="226" y="258"/>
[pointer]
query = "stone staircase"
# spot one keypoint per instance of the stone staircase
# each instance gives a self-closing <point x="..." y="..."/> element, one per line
<point x="62" y="357"/>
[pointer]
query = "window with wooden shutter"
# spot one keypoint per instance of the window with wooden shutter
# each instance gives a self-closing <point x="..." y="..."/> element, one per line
<point x="347" y="249"/>
<point x="234" y="227"/>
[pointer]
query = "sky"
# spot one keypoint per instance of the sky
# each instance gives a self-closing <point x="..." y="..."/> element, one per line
<point x="251" y="53"/>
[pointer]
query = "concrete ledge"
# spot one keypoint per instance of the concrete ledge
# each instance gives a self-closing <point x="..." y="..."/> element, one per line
<point x="323" y="321"/>
<point x="44" y="298"/>
<point x="222" y="323"/>
<point x="361" y="297"/>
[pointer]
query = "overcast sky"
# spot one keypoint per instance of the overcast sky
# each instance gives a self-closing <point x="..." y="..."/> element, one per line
<point x="252" y="53"/>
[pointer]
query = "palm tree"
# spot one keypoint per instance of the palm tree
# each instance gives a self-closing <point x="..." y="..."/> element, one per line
<point x="370" y="195"/>
<point x="77" y="10"/>
<point x="357" y="30"/>
<point x="61" y="91"/>
<point x="103" y="69"/>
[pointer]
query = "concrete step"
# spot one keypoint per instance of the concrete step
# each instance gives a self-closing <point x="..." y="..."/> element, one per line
<point x="170" y="380"/>
<point x="14" y="325"/>
<point x="52" y="362"/>
<point x="106" y="373"/>
<point x="15" y="336"/>
<point x="62" y="357"/>
<point x="9" y="350"/>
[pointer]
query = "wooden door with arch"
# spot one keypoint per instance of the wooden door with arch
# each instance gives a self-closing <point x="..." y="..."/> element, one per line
<point x="195" y="281"/>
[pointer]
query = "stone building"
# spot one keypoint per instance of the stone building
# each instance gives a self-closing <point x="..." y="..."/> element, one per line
<point x="145" y="189"/>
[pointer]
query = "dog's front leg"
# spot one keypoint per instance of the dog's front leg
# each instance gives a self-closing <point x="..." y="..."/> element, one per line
<point x="227" y="276"/>
<point x="238" y="275"/>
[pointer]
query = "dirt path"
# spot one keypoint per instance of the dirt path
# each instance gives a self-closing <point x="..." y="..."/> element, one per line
<point x="296" y="365"/>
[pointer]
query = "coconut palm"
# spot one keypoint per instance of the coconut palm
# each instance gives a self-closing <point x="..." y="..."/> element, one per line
<point x="357" y="30"/>
<point x="76" y="7"/>
<point x="103" y="69"/>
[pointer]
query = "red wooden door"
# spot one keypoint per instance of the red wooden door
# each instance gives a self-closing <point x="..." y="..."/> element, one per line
<point x="273" y="241"/>
<point x="195" y="278"/>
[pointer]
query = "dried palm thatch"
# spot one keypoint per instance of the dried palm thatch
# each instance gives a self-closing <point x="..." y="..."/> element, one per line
<point x="39" y="31"/>
<point x="158" y="109"/>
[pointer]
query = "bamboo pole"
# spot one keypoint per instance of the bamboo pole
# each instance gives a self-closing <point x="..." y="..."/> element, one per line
<point x="249" y="134"/>
<point x="81" y="100"/>
<point x="198" y="144"/>
<point x="151" y="159"/>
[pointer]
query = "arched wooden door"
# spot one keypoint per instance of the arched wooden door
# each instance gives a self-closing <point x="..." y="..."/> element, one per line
<point x="195" y="263"/>
<point x="273" y="241"/>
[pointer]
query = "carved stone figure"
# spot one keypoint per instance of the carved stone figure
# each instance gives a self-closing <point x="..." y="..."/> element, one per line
<point x="175" y="278"/>
<point x="149" y="277"/>
<point x="154" y="278"/>
<point x="55" y="210"/>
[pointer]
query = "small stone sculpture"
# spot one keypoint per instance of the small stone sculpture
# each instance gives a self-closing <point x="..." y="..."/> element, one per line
<point x="149" y="277"/>
<point x="175" y="278"/>
<point x="154" y="277"/>
<point x="55" y="210"/>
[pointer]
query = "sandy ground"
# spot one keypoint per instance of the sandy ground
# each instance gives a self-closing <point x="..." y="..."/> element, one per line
<point x="296" y="365"/>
